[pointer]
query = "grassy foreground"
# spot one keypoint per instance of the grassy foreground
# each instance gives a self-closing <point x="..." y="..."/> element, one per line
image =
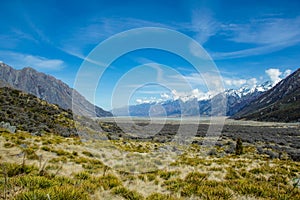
<point x="55" y="167"/>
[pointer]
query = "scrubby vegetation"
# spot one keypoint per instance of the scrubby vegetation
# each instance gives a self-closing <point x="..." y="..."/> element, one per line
<point x="28" y="113"/>
<point x="38" y="161"/>
<point x="55" y="167"/>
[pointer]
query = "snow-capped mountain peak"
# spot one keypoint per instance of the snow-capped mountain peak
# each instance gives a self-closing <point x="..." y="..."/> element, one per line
<point x="264" y="86"/>
<point x="236" y="100"/>
<point x="246" y="90"/>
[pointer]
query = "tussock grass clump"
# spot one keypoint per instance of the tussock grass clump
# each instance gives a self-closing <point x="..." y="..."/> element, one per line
<point x="8" y="145"/>
<point x="108" y="182"/>
<point x="82" y="175"/>
<point x="13" y="169"/>
<point x="159" y="196"/>
<point x="87" y="153"/>
<point x="61" y="152"/>
<point x="167" y="174"/>
<point x="35" y="182"/>
<point x="127" y="194"/>
<point x="46" y="148"/>
<point x="62" y="159"/>
<point x="57" y="193"/>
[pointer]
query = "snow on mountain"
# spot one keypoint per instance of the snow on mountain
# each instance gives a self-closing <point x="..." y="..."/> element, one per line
<point x="246" y="90"/>
<point x="236" y="100"/>
<point x="279" y="104"/>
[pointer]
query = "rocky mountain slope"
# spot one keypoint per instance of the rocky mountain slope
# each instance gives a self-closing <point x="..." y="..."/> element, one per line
<point x="281" y="103"/>
<point x="48" y="88"/>
<point x="29" y="113"/>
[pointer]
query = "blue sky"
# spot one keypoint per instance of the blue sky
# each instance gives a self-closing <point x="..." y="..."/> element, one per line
<point x="249" y="41"/>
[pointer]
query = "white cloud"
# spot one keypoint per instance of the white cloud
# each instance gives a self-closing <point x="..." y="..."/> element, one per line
<point x="19" y="60"/>
<point x="194" y="94"/>
<point x="148" y="100"/>
<point x="84" y="38"/>
<point x="204" y="25"/>
<point x="252" y="82"/>
<point x="42" y="63"/>
<point x="165" y="96"/>
<point x="274" y="75"/>
<point x="196" y="79"/>
<point x="250" y="52"/>
<point x="234" y="82"/>
<point x="198" y="51"/>
<point x="141" y="101"/>
<point x="268" y="34"/>
<point x="287" y="73"/>
<point x="265" y="31"/>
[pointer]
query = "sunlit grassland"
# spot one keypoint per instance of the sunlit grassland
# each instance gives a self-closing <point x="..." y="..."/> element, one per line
<point x="55" y="167"/>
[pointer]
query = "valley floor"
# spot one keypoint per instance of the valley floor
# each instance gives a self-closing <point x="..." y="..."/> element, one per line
<point x="55" y="167"/>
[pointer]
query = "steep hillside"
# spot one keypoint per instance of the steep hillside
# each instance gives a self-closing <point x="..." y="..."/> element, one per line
<point x="281" y="103"/>
<point x="29" y="113"/>
<point x="48" y="88"/>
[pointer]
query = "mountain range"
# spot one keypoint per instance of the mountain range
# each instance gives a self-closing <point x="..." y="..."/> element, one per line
<point x="280" y="103"/>
<point x="48" y="88"/>
<point x="265" y="102"/>
<point x="262" y="102"/>
<point x="236" y="100"/>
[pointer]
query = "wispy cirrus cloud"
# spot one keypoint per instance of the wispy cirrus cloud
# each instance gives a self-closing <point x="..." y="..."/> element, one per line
<point x="84" y="38"/>
<point x="12" y="38"/>
<point x="197" y="80"/>
<point x="261" y="50"/>
<point x="204" y="25"/>
<point x="267" y="34"/>
<point x="20" y="60"/>
<point x="265" y="31"/>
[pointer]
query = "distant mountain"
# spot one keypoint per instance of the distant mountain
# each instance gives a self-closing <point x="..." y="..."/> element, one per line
<point x="236" y="100"/>
<point x="281" y="103"/>
<point x="48" y="88"/>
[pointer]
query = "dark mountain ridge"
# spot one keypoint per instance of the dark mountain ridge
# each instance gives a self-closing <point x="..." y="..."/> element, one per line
<point x="279" y="104"/>
<point x="48" y="88"/>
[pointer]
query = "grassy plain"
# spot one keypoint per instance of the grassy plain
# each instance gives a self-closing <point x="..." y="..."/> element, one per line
<point x="55" y="167"/>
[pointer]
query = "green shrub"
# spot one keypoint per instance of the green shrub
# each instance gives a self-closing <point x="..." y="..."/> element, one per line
<point x="239" y="147"/>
